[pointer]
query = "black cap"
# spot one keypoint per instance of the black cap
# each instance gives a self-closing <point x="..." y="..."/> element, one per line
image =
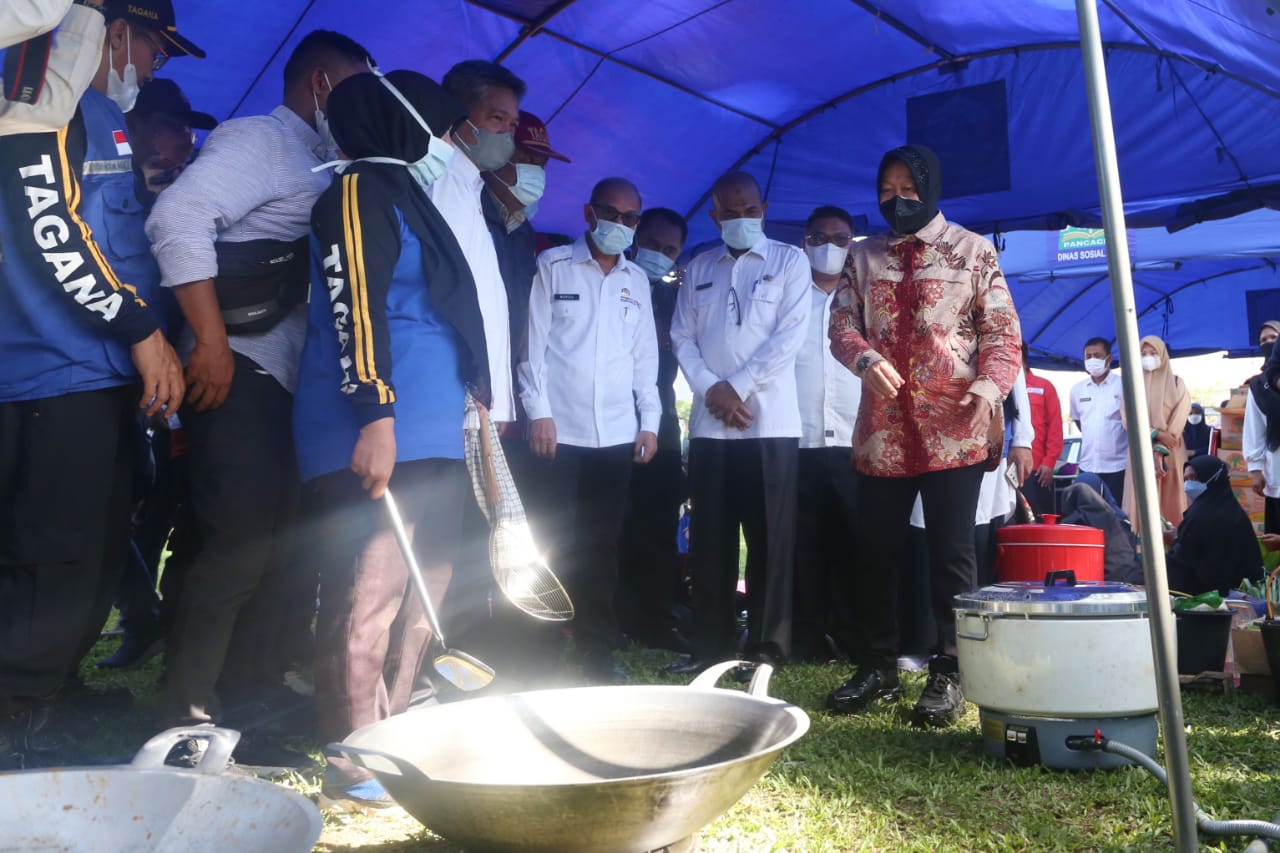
<point x="154" y="15"/>
<point x="164" y="97"/>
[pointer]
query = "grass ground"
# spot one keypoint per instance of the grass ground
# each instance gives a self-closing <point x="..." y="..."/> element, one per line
<point x="872" y="783"/>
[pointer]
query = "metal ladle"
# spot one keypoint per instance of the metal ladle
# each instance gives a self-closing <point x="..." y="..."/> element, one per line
<point x="459" y="668"/>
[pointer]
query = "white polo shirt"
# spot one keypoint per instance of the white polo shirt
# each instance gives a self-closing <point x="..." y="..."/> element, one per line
<point x="457" y="196"/>
<point x="591" y="360"/>
<point x="828" y="391"/>
<point x="743" y="320"/>
<point x="1104" y="445"/>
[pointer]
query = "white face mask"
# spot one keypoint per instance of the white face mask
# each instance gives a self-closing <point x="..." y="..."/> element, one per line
<point x="425" y="170"/>
<point x="1195" y="420"/>
<point x="124" y="90"/>
<point x="1095" y="367"/>
<point x="1150" y="363"/>
<point x="322" y="125"/>
<point x="531" y="183"/>
<point x="827" y="259"/>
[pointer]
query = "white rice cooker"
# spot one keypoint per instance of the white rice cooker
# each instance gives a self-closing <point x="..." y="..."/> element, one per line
<point x="1045" y="661"/>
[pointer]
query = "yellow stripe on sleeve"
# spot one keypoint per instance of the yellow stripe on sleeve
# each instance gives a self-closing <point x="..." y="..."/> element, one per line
<point x="364" y="358"/>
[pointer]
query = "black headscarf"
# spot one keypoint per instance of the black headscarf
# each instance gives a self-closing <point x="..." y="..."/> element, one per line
<point x="1216" y="546"/>
<point x="368" y="121"/>
<point x="1262" y="388"/>
<point x="1196" y="436"/>
<point x="907" y="216"/>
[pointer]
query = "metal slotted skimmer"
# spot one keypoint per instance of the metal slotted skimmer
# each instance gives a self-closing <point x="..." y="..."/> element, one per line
<point x="518" y="566"/>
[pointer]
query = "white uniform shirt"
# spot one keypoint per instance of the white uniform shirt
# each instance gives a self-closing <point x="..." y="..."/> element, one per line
<point x="74" y="58"/>
<point x="457" y="196"/>
<point x="1254" y="446"/>
<point x="1104" y="445"/>
<point x="828" y="391"/>
<point x="591" y="359"/>
<point x="743" y="320"/>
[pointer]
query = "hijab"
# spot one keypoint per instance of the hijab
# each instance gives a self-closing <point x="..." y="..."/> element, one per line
<point x="1216" y="545"/>
<point x="367" y="120"/>
<point x="1164" y="390"/>
<point x="906" y="215"/>
<point x="1196" y="436"/>
<point x="1262" y="390"/>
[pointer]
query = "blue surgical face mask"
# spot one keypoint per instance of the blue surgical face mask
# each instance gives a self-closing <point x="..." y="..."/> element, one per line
<point x="1194" y="489"/>
<point x="531" y="183"/>
<point x="612" y="238"/>
<point x="742" y="233"/>
<point x="655" y="264"/>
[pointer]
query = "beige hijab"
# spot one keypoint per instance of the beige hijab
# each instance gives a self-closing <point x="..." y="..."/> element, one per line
<point x="1164" y="390"/>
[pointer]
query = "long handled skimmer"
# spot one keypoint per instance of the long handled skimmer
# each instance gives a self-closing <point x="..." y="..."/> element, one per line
<point x="459" y="668"/>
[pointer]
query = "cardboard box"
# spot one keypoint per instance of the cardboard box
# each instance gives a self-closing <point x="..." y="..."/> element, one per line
<point x="1237" y="468"/>
<point x="1239" y="396"/>
<point x="1248" y="653"/>
<point x="1248" y="499"/>
<point x="1232" y="429"/>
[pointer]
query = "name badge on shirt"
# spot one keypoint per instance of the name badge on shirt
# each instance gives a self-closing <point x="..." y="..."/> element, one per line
<point x="1035" y="390"/>
<point x="831" y="433"/>
<point x="566" y="297"/>
<point x="1086" y="399"/>
<point x="703" y="286"/>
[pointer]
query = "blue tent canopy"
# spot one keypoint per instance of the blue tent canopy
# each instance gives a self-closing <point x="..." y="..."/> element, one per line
<point x="807" y="96"/>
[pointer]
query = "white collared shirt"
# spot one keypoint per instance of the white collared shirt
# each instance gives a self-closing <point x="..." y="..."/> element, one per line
<point x="1104" y="444"/>
<point x="828" y="391"/>
<point x="456" y="194"/>
<point x="74" y="58"/>
<point x="591" y="358"/>
<point x="743" y="320"/>
<point x="1257" y="456"/>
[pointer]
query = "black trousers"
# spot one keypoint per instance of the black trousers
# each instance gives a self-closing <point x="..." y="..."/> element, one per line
<point x="950" y="501"/>
<point x="827" y="500"/>
<point x="579" y="504"/>
<point x="747" y="484"/>
<point x="1115" y="482"/>
<point x="244" y="494"/>
<point x="64" y="526"/>
<point x="1271" y="515"/>
<point x="649" y="566"/>
<point x="1042" y="498"/>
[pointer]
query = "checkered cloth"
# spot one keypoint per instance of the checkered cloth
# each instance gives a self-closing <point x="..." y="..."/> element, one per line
<point x="518" y="567"/>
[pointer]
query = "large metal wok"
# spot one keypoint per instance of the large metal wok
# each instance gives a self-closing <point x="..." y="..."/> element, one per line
<point x="147" y="806"/>
<point x="583" y="770"/>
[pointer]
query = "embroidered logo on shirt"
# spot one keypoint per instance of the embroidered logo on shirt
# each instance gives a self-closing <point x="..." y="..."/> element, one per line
<point x="121" y="140"/>
<point x="566" y="297"/>
<point x="702" y="286"/>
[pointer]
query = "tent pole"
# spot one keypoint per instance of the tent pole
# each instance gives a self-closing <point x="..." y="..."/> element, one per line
<point x="1141" y="467"/>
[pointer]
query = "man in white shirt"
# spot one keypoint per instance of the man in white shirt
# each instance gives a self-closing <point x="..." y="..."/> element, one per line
<point x="47" y="96"/>
<point x="491" y="95"/>
<point x="740" y="320"/>
<point x="1095" y="407"/>
<point x="826" y="484"/>
<point x="591" y="361"/>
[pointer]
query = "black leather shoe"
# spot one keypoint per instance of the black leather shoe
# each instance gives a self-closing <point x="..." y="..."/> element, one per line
<point x="942" y="702"/>
<point x="867" y="687"/>
<point x="688" y="666"/>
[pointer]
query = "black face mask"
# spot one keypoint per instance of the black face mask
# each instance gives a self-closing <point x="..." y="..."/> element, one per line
<point x="1266" y="349"/>
<point x="905" y="215"/>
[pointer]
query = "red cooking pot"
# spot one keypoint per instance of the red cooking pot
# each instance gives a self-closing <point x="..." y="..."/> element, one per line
<point x="1027" y="552"/>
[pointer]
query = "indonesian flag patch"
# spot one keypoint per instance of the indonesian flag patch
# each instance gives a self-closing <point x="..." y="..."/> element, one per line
<point x="122" y="143"/>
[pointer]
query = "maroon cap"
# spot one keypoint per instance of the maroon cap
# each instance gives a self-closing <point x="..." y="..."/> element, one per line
<point x="531" y="135"/>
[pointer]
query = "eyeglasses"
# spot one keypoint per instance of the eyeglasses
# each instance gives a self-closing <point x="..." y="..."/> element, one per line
<point x="611" y="213"/>
<point x="818" y="239"/>
<point x="159" y="57"/>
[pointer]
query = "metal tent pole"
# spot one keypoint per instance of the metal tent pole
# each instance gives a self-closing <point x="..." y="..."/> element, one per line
<point x="1142" y="469"/>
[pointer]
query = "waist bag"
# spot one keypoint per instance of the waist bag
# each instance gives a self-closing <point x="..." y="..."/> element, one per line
<point x="260" y="281"/>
